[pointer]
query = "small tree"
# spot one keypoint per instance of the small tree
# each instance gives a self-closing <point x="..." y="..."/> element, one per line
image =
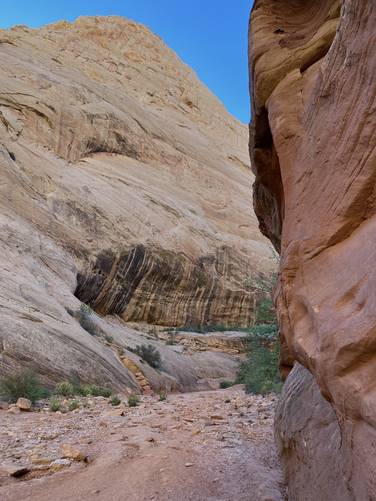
<point x="150" y="354"/>
<point x="260" y="372"/>
<point x="25" y="384"/>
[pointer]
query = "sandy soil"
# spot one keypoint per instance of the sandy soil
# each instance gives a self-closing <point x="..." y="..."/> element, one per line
<point x="215" y="445"/>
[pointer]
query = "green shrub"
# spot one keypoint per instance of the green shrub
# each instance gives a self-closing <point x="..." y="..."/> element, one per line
<point x="88" y="324"/>
<point x="226" y="384"/>
<point x="64" y="388"/>
<point x="150" y="354"/>
<point x="55" y="404"/>
<point x="162" y="396"/>
<point x="85" y="309"/>
<point x="73" y="405"/>
<point x="109" y="339"/>
<point x="75" y="381"/>
<point x="133" y="400"/>
<point x="85" y="390"/>
<point x="265" y="313"/>
<point x="26" y="384"/>
<point x="99" y="391"/>
<point x="115" y="400"/>
<point x="260" y="372"/>
<point x="95" y="391"/>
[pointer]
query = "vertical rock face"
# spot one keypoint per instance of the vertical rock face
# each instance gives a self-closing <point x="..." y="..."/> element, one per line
<point x="313" y="153"/>
<point x="124" y="184"/>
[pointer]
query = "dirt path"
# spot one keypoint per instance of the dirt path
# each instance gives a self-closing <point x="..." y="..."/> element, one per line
<point x="200" y="446"/>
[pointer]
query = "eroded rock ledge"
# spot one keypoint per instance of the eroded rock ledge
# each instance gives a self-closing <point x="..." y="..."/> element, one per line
<point x="166" y="288"/>
<point x="312" y="144"/>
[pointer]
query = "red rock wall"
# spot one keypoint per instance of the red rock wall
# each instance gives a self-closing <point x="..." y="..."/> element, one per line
<point x="312" y="146"/>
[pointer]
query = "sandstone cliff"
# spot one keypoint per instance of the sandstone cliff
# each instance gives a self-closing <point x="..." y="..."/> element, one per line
<point x="312" y="147"/>
<point x="125" y="185"/>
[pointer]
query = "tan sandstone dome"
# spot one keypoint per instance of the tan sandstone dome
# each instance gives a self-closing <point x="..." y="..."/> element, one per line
<point x="125" y="184"/>
<point x="313" y="152"/>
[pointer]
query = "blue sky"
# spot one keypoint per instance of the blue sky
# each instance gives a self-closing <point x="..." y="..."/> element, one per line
<point x="209" y="35"/>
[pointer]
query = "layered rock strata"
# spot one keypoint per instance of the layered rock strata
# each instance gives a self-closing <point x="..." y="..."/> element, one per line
<point x="312" y="145"/>
<point x="124" y="184"/>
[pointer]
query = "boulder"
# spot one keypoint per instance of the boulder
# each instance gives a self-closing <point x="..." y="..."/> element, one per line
<point x="24" y="404"/>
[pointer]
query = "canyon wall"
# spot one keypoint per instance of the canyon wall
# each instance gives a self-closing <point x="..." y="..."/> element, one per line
<point x="312" y="145"/>
<point x="125" y="185"/>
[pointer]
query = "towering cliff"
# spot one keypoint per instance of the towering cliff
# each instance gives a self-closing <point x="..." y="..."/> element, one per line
<point x="312" y="146"/>
<point x="124" y="184"/>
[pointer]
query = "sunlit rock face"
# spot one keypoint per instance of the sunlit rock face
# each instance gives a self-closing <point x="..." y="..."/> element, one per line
<point x="125" y="184"/>
<point x="312" y="144"/>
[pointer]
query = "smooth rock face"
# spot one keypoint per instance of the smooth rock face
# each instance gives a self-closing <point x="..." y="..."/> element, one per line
<point x="125" y="182"/>
<point x="313" y="152"/>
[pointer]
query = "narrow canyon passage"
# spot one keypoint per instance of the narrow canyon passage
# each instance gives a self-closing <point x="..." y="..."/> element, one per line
<point x="215" y="445"/>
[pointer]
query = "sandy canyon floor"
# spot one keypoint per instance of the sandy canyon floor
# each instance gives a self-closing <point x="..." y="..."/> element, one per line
<point x="215" y="445"/>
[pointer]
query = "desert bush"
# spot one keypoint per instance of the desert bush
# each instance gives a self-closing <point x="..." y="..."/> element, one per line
<point x="226" y="384"/>
<point x="95" y="391"/>
<point x="25" y="384"/>
<point x="75" y="381"/>
<point x="73" y="405"/>
<point x="265" y="313"/>
<point x="88" y="324"/>
<point x="162" y="396"/>
<point x="115" y="400"/>
<point x="64" y="388"/>
<point x="85" y="309"/>
<point x="55" y="404"/>
<point x="100" y="391"/>
<point x="150" y="354"/>
<point x="133" y="401"/>
<point x="109" y="339"/>
<point x="260" y="372"/>
<point x="85" y="390"/>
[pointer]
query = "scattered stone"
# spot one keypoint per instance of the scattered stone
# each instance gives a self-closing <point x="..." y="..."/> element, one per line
<point x="188" y="465"/>
<point x="13" y="409"/>
<point x="24" y="404"/>
<point x="70" y="452"/>
<point x="59" y="464"/>
<point x="40" y="460"/>
<point x="114" y="413"/>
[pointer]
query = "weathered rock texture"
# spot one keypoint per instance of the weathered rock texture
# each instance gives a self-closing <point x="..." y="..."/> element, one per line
<point x="123" y="181"/>
<point x="313" y="151"/>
